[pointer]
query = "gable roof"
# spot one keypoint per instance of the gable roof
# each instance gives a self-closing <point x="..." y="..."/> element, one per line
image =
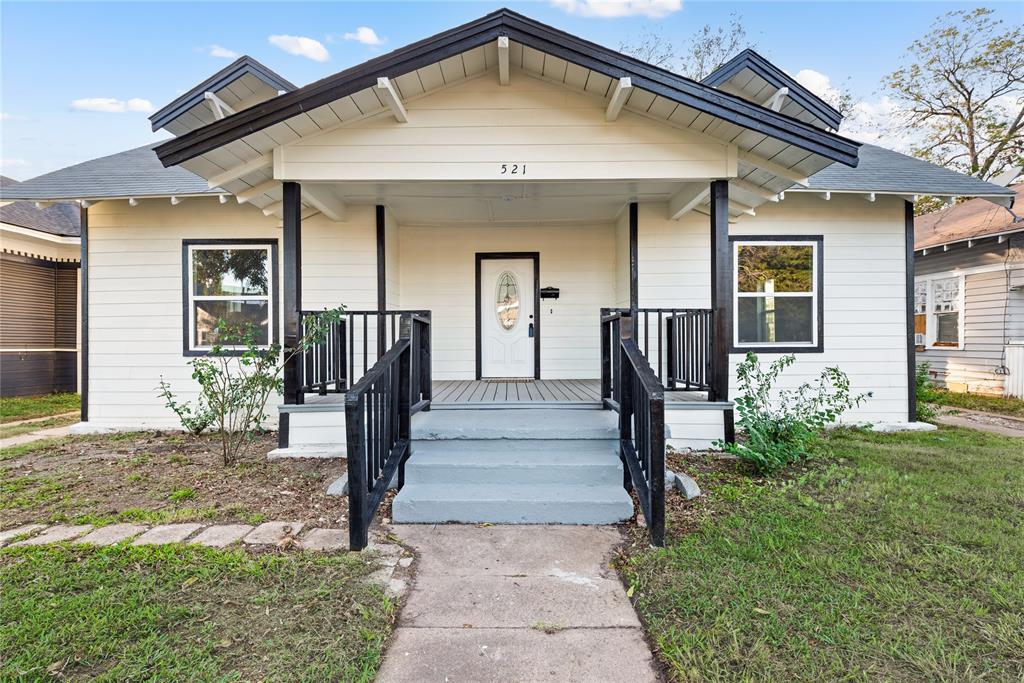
<point x="882" y="170"/>
<point x="753" y="77"/>
<point x="134" y="173"/>
<point x="972" y="219"/>
<point x="245" y="81"/>
<point x="738" y="114"/>
<point x="62" y="219"/>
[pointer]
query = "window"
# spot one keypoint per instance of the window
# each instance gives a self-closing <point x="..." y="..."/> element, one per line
<point x="938" y="302"/>
<point x="231" y="281"/>
<point x="507" y="301"/>
<point x="777" y="286"/>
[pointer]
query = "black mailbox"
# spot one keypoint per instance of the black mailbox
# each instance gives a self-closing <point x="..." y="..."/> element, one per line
<point x="549" y="293"/>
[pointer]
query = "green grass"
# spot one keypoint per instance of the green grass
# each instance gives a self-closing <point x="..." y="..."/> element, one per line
<point x="7" y="431"/>
<point x="895" y="557"/>
<point x="184" y="613"/>
<point x="27" y="407"/>
<point x="1004" y="405"/>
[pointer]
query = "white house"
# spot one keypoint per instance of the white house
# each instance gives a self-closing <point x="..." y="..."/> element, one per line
<point x="520" y="223"/>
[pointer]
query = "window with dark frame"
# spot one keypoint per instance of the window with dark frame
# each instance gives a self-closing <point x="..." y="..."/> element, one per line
<point x="230" y="281"/>
<point x="776" y="294"/>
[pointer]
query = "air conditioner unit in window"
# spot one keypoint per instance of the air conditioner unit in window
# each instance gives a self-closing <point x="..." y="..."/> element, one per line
<point x="918" y="339"/>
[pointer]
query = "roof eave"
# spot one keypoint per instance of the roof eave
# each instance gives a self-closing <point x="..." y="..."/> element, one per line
<point x="528" y="32"/>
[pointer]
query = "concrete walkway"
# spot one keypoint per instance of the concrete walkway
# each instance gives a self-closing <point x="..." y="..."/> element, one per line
<point x="37" y="435"/>
<point x="994" y="423"/>
<point x="516" y="603"/>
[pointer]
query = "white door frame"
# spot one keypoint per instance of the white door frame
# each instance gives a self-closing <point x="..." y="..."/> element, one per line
<point x="535" y="257"/>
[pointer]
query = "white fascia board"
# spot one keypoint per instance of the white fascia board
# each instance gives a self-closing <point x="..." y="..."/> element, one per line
<point x="39" y="234"/>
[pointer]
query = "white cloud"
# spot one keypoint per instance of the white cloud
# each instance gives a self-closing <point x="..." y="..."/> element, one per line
<point x="301" y="46"/>
<point x="219" y="51"/>
<point x="818" y="83"/>
<point x="7" y="162"/>
<point x="112" y="105"/>
<point x="364" y="35"/>
<point x="609" y="9"/>
<point x="4" y="116"/>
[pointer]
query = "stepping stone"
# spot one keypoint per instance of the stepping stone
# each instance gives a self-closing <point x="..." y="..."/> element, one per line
<point x="271" y="533"/>
<point x="221" y="535"/>
<point x="56" y="534"/>
<point x="109" y="535"/>
<point x="7" y="535"/>
<point x="322" y="540"/>
<point x="167" y="533"/>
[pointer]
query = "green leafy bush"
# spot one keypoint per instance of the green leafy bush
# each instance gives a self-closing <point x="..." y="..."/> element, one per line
<point x="781" y="425"/>
<point x="237" y="378"/>
<point x="927" y="394"/>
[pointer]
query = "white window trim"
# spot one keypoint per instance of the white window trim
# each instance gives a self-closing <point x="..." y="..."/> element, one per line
<point x="931" y="326"/>
<point x="192" y="297"/>
<point x="736" y="294"/>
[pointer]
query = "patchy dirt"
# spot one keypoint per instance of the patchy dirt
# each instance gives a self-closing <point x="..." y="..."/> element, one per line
<point x="976" y="419"/>
<point x="157" y="477"/>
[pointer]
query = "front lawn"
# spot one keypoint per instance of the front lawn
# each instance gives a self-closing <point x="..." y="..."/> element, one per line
<point x="182" y="613"/>
<point x="1004" y="405"/>
<point x="891" y="557"/>
<point x="155" y="477"/>
<point x="27" y="407"/>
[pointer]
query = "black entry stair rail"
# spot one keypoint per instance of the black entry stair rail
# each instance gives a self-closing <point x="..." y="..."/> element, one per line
<point x="676" y="342"/>
<point x="642" y="430"/>
<point x="378" y="417"/>
<point x="351" y="347"/>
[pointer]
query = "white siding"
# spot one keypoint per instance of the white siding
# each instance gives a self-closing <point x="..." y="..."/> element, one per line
<point x="864" y="326"/>
<point x="467" y="131"/>
<point x="437" y="272"/>
<point x="135" y="296"/>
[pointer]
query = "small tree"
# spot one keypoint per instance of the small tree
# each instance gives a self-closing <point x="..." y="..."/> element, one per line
<point x="782" y="425"/>
<point x="237" y="378"/>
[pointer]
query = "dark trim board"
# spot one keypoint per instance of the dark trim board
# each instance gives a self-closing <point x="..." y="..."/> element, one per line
<point x="820" y="282"/>
<point x="908" y="219"/>
<point x="634" y="257"/>
<point x="504" y="22"/>
<point x="382" y="279"/>
<point x="186" y="331"/>
<point x="535" y="256"/>
<point x="83" y="292"/>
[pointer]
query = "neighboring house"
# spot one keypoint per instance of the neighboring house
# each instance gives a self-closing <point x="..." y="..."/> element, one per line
<point x="39" y="268"/>
<point x="514" y="217"/>
<point x="969" y="296"/>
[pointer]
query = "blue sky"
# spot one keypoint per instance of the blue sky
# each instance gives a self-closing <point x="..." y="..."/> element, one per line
<point x="129" y="55"/>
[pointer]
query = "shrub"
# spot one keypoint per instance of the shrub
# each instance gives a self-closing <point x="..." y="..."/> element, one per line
<point x="927" y="394"/>
<point x="782" y="425"/>
<point x="237" y="378"/>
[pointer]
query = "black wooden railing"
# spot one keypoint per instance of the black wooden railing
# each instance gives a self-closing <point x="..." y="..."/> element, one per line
<point x="641" y="429"/>
<point x="351" y="347"/>
<point x="677" y="342"/>
<point x="378" y="413"/>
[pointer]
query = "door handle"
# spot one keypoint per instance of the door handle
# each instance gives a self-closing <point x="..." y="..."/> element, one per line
<point x="529" y="331"/>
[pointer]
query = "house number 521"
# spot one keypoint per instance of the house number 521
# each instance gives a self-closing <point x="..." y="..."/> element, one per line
<point x="513" y="169"/>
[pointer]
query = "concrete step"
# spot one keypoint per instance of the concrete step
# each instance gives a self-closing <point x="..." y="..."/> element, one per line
<point x="512" y="504"/>
<point x="543" y="424"/>
<point x="583" y="462"/>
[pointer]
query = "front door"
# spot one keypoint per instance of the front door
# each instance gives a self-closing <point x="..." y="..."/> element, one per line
<point x="507" y="326"/>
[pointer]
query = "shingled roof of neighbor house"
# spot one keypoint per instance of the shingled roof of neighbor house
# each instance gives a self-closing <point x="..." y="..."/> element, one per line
<point x="134" y="173"/>
<point x="61" y="219"/>
<point x="969" y="220"/>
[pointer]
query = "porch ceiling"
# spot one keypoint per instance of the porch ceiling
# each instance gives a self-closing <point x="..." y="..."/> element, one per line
<point x="767" y="164"/>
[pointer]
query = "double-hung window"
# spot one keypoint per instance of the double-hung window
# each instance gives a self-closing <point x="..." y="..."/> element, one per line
<point x="938" y="310"/>
<point x="231" y="281"/>
<point x="777" y="298"/>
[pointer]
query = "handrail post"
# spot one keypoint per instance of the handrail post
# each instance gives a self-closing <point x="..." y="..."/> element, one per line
<point x="656" y="485"/>
<point x="625" y="397"/>
<point x="405" y="397"/>
<point x="426" y="373"/>
<point x="606" y="356"/>
<point x="670" y="342"/>
<point x="357" y="526"/>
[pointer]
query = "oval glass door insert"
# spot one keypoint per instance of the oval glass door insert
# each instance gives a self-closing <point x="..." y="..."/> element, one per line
<point x="507" y="301"/>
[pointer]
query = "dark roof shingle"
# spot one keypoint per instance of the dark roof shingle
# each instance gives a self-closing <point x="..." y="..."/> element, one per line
<point x="61" y="219"/>
<point x="135" y="173"/>
<point x="968" y="220"/>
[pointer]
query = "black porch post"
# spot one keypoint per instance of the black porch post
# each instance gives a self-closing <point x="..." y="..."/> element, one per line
<point x="382" y="298"/>
<point x="292" y="253"/>
<point x="908" y="218"/>
<point x="721" y="267"/>
<point x="83" y="286"/>
<point x="634" y="259"/>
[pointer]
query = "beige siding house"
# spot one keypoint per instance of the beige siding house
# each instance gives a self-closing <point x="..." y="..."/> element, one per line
<point x="545" y="249"/>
